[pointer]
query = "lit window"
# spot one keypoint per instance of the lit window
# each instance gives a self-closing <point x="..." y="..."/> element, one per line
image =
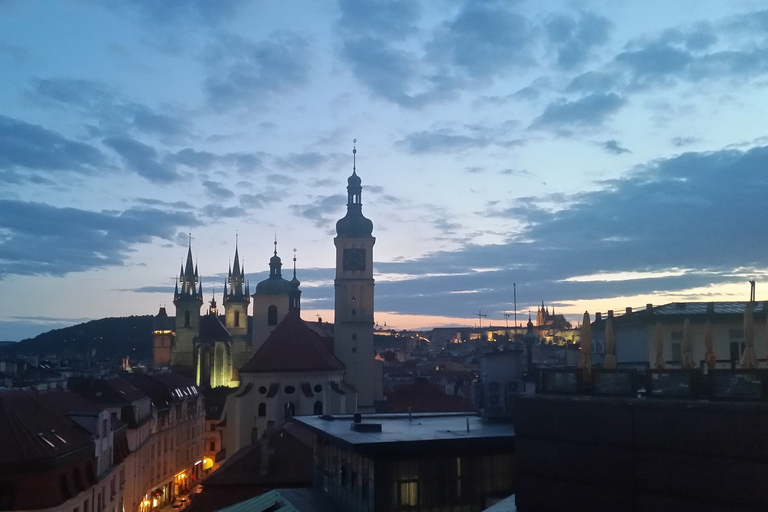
<point x="409" y="494"/>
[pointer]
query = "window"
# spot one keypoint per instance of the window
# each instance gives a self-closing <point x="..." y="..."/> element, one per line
<point x="318" y="388"/>
<point x="262" y="409"/>
<point x="212" y="446"/>
<point x="237" y="319"/>
<point x="290" y="410"/>
<point x="272" y="315"/>
<point x="289" y="390"/>
<point x="409" y="493"/>
<point x="318" y="408"/>
<point x="186" y="319"/>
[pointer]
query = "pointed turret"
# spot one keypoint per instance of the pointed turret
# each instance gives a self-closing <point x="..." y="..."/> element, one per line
<point x="354" y="224"/>
<point x="294" y="297"/>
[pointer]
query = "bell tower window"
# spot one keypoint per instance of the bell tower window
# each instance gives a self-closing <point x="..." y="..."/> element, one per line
<point x="186" y="319"/>
<point x="272" y="315"/>
<point x="237" y="319"/>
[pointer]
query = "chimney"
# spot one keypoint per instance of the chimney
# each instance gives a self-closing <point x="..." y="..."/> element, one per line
<point x="649" y="308"/>
<point x="752" y="291"/>
<point x="629" y="311"/>
<point x="598" y="316"/>
<point x="711" y="308"/>
<point x="610" y="313"/>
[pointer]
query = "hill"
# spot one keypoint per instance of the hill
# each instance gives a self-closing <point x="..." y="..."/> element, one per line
<point x="106" y="338"/>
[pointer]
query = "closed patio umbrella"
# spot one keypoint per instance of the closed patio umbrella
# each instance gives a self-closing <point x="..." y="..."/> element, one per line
<point x="710" y="358"/>
<point x="687" y="347"/>
<point x="585" y="360"/>
<point x="748" y="358"/>
<point x="658" y="347"/>
<point x="610" y="346"/>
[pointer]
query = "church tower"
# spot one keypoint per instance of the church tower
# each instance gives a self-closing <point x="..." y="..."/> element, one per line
<point x="353" y="323"/>
<point x="188" y="298"/>
<point x="236" y="301"/>
<point x="162" y="339"/>
<point x="271" y="302"/>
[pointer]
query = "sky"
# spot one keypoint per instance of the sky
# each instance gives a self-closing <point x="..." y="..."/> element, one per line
<point x="591" y="155"/>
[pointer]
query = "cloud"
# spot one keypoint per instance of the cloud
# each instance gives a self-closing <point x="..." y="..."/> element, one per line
<point x="588" y="111"/>
<point x="383" y="18"/>
<point x="451" y="140"/>
<point x="142" y="159"/>
<point x="641" y="222"/>
<point x="32" y="147"/>
<point x="258" y="201"/>
<point x="684" y="141"/>
<point x="613" y="146"/>
<point x="321" y="211"/>
<point x="202" y="12"/>
<point x="441" y="140"/>
<point x="301" y="161"/>
<point x="573" y="38"/>
<point x="217" y="190"/>
<point x="485" y="39"/>
<point x="217" y="211"/>
<point x="114" y="114"/>
<point x="40" y="239"/>
<point x="242" y="73"/>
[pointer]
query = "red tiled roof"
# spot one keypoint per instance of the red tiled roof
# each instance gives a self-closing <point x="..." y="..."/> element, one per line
<point x="292" y="347"/>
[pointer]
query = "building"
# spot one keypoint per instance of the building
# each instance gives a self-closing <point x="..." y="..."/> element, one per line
<point x="164" y="419"/>
<point x="58" y="453"/>
<point x="438" y="462"/>
<point x="187" y="298"/>
<point x="634" y="330"/>
<point x="354" y="304"/>
<point x="169" y="463"/>
<point x="293" y="373"/>
<point x="163" y="338"/>
<point x="274" y="298"/>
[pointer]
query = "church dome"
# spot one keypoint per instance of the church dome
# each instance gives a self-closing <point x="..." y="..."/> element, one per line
<point x="354" y="181"/>
<point x="354" y="225"/>
<point x="274" y="286"/>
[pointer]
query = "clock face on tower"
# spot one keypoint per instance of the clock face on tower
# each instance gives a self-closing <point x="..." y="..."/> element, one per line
<point x="354" y="259"/>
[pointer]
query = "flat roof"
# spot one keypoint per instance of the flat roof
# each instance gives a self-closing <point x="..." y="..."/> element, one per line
<point x="398" y="428"/>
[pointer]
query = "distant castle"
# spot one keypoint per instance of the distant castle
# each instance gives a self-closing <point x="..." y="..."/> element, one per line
<point x="547" y="320"/>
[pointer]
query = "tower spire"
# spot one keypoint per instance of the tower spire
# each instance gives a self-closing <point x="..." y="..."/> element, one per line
<point x="354" y="155"/>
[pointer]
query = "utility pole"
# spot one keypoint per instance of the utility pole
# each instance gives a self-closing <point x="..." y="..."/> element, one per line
<point x="480" y="316"/>
<point x="506" y="319"/>
<point x="514" y="292"/>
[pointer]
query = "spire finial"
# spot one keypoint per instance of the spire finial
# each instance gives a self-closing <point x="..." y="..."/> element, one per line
<point x="275" y="244"/>
<point x="294" y="263"/>
<point x="354" y="155"/>
<point x="190" y="239"/>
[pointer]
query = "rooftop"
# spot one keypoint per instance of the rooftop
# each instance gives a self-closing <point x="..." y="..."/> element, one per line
<point x="398" y="428"/>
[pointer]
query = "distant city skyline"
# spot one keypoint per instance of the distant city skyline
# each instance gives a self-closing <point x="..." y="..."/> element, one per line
<point x="600" y="155"/>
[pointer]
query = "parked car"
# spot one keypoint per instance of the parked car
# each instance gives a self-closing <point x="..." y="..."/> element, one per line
<point x="180" y="503"/>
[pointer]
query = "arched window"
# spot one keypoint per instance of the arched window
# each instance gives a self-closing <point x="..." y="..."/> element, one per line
<point x="262" y="410"/>
<point x="186" y="319"/>
<point x="318" y="410"/>
<point x="290" y="410"/>
<point x="272" y="315"/>
<point x="237" y="319"/>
